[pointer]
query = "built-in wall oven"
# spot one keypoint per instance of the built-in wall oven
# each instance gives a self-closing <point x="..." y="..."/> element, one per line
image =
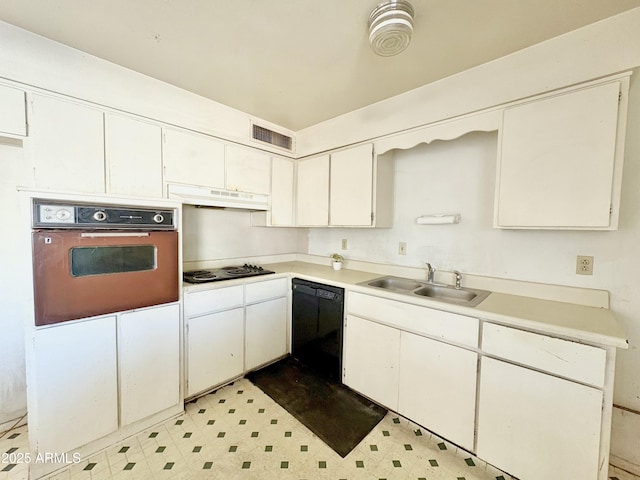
<point x="91" y="259"/>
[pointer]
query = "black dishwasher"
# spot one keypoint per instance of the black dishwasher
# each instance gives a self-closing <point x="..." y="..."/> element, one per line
<point x="317" y="313"/>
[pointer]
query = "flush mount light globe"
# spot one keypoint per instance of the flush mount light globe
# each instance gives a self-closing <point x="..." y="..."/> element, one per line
<point x="390" y="27"/>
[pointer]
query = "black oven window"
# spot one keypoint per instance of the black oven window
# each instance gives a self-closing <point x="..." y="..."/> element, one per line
<point x="112" y="259"/>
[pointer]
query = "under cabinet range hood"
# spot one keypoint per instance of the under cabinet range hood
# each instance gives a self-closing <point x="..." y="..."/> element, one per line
<point x="212" y="197"/>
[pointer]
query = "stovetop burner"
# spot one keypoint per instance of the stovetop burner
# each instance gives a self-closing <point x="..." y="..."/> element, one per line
<point x="224" y="273"/>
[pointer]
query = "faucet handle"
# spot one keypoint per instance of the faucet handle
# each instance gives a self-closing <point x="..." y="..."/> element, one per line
<point x="458" y="278"/>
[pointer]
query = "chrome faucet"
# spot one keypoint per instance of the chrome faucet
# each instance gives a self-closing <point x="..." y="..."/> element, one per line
<point x="430" y="272"/>
<point x="458" y="279"/>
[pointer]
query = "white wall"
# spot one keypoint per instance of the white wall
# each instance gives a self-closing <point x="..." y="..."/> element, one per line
<point x="14" y="283"/>
<point x="212" y="234"/>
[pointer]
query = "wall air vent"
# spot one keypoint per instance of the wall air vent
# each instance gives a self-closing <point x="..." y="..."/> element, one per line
<point x="265" y="135"/>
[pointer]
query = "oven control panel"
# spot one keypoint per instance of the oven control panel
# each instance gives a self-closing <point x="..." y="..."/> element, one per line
<point x="47" y="214"/>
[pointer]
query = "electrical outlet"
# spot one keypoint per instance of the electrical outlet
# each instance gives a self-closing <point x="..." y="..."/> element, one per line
<point x="584" y="265"/>
<point x="344" y="243"/>
<point x="402" y="248"/>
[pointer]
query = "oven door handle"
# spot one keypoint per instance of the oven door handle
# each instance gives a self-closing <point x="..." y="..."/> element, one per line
<point x="113" y="234"/>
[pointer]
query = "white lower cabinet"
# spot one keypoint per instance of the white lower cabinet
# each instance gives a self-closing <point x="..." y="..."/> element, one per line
<point x="215" y="349"/>
<point x="149" y="356"/>
<point x="73" y="385"/>
<point x="232" y="330"/>
<point x="534" y="425"/>
<point x="437" y="387"/>
<point x="266" y="332"/>
<point x="371" y="358"/>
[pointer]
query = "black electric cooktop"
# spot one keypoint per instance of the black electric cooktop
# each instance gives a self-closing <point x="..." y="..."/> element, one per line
<point x="224" y="273"/>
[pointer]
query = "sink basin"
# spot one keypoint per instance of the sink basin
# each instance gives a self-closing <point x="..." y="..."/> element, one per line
<point x="392" y="283"/>
<point x="442" y="293"/>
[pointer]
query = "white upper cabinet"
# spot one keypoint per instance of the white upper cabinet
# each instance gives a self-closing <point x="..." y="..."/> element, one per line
<point x="312" y="193"/>
<point x="282" y="192"/>
<point x="133" y="153"/>
<point x="193" y="159"/>
<point x="560" y="160"/>
<point x="13" y="120"/>
<point x="247" y="170"/>
<point x="351" y="190"/>
<point x="68" y="145"/>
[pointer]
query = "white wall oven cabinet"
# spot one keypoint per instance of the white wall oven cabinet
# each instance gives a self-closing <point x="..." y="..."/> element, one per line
<point x="234" y="329"/>
<point x="67" y="142"/>
<point x="73" y="393"/>
<point x="149" y="362"/>
<point x="193" y="159"/>
<point x="92" y="382"/>
<point x="13" y="121"/>
<point x="133" y="155"/>
<point x="560" y="160"/>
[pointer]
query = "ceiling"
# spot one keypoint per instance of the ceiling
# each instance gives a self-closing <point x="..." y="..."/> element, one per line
<point x="298" y="62"/>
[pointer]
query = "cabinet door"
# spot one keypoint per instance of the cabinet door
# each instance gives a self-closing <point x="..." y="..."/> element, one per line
<point x="266" y="332"/>
<point x="12" y="105"/>
<point x="313" y="192"/>
<point x="193" y="159"/>
<point x="74" y="394"/>
<point x="352" y="186"/>
<point x="282" y="185"/>
<point x="557" y="161"/>
<point x="133" y="151"/>
<point x="215" y="348"/>
<point x="534" y="425"/>
<point x="371" y="357"/>
<point x="149" y="352"/>
<point x="438" y="387"/>
<point x="247" y="170"/>
<point x="68" y="146"/>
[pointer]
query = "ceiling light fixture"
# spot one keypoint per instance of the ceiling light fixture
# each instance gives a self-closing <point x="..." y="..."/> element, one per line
<point x="390" y="27"/>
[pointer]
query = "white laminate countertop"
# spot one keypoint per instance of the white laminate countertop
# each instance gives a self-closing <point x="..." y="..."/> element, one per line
<point x="576" y="322"/>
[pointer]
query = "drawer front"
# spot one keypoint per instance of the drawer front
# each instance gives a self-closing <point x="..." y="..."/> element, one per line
<point x="207" y="301"/>
<point x="417" y="319"/>
<point x="260" y="291"/>
<point x="583" y="363"/>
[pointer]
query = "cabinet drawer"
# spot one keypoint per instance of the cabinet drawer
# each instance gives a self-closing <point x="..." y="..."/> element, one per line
<point x="414" y="318"/>
<point x="260" y="291"/>
<point x="580" y="362"/>
<point x="199" y="303"/>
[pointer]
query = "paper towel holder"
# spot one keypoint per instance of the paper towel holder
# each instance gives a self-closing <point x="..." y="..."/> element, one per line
<point x="438" y="219"/>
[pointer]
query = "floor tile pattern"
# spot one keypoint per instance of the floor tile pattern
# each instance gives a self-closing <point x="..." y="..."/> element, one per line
<point x="238" y="432"/>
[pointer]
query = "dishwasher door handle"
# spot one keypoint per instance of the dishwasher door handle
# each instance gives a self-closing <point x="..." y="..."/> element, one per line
<point x="305" y="290"/>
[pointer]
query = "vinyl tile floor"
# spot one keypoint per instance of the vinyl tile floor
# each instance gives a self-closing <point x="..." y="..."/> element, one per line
<point x="238" y="432"/>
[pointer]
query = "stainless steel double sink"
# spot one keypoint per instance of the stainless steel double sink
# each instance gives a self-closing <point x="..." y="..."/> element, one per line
<point x="467" y="297"/>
